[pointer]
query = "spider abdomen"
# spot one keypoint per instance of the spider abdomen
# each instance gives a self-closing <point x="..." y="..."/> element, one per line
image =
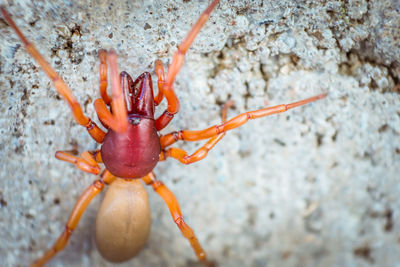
<point x="135" y="153"/>
<point x="123" y="221"/>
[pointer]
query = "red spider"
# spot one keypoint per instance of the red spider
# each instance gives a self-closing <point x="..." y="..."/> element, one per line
<point x="132" y="147"/>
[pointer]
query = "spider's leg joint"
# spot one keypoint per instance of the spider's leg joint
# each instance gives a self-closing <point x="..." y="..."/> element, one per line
<point x="99" y="184"/>
<point x="177" y="135"/>
<point x="156" y="184"/>
<point x="90" y="125"/>
<point x="219" y="128"/>
<point x="68" y="230"/>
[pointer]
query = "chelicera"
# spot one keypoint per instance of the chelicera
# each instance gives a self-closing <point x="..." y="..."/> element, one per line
<point x="132" y="146"/>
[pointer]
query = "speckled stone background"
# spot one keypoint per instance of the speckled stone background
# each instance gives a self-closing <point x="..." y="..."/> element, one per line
<point x="316" y="186"/>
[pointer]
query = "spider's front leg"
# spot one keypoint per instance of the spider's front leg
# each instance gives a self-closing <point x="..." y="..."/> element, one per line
<point x="159" y="69"/>
<point x="176" y="65"/>
<point x="118" y="121"/>
<point x="62" y="88"/>
<point x="80" y="206"/>
<point x="103" y="77"/>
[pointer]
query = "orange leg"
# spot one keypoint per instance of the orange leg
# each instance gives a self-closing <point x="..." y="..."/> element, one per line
<point x="118" y="120"/>
<point x="104" y="115"/>
<point x="166" y="117"/>
<point x="159" y="68"/>
<point x="176" y="213"/>
<point x="87" y="162"/>
<point x="102" y="112"/>
<point x="103" y="77"/>
<point x="120" y="123"/>
<point x="202" y="152"/>
<point x="76" y="214"/>
<point x="61" y="87"/>
<point x="175" y="66"/>
<point x="183" y="156"/>
<point x="233" y="123"/>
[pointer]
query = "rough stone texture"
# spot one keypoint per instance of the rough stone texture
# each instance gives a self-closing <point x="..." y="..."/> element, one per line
<point x="315" y="186"/>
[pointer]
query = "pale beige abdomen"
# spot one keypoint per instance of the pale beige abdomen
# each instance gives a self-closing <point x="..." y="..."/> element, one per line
<point x="123" y="222"/>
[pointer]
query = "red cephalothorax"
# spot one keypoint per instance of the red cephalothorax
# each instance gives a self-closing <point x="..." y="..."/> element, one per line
<point x="135" y="153"/>
<point x="131" y="148"/>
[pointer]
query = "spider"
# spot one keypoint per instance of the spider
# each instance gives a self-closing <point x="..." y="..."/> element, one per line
<point x="131" y="147"/>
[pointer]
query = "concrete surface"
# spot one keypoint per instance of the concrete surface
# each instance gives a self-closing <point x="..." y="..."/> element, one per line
<point x="315" y="186"/>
